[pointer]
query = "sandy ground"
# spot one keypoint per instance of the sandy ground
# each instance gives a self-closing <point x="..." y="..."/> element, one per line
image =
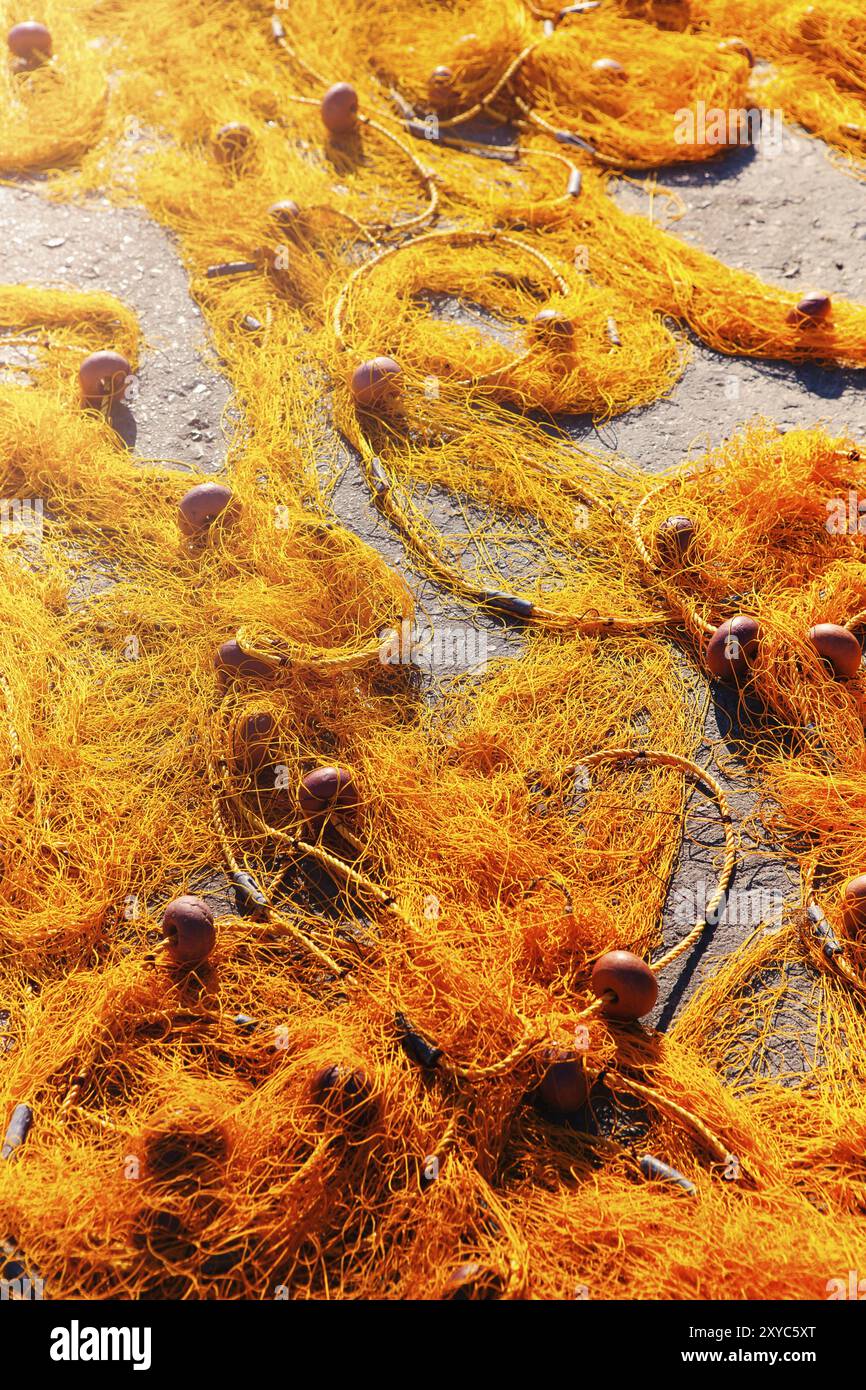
<point x="792" y="217"/>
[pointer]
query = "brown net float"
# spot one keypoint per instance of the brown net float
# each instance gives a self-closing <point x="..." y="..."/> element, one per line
<point x="231" y="143"/>
<point x="838" y="647"/>
<point x="30" y="41"/>
<point x="203" y="505"/>
<point x="609" y="67"/>
<point x="675" y="540"/>
<point x="340" y="108"/>
<point x="189" y="931"/>
<point x="627" y="985"/>
<point x="345" y="1092"/>
<point x="814" y="307"/>
<point x="564" y="1087"/>
<point x="854" y="903"/>
<point x="554" y="325"/>
<point x="326" y="789"/>
<point x="103" y="378"/>
<point x="232" y="660"/>
<point x="376" y="383"/>
<point x="440" y="88"/>
<point x="286" y="215"/>
<point x="732" y="648"/>
<point x="252" y="740"/>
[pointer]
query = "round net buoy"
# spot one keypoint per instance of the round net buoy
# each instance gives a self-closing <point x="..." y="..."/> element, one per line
<point x="838" y="647"/>
<point x="345" y="1092"/>
<point x="231" y="142"/>
<point x="736" y="45"/>
<point x="629" y="979"/>
<point x="103" y="377"/>
<point x="252" y="740"/>
<point x="340" y="108"/>
<point x="326" y="789"/>
<point x="286" y="216"/>
<point x="554" y="327"/>
<point x="30" y="41"/>
<point x="200" y="507"/>
<point x="188" y="927"/>
<point x="471" y="1282"/>
<point x="854" y="903"/>
<point x="814" y="307"/>
<point x="675" y="539"/>
<point x="374" y="383"/>
<point x="232" y="660"/>
<point x="733" y="647"/>
<point x="563" y="1088"/>
<point x="440" y="87"/>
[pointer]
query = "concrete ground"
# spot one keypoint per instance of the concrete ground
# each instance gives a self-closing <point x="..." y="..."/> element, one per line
<point x="792" y="218"/>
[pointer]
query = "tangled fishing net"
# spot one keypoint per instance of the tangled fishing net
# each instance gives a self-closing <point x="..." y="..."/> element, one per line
<point x="392" y="1067"/>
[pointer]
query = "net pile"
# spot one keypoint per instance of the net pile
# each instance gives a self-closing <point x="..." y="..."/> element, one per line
<point x="356" y="1094"/>
<point x="817" y="53"/>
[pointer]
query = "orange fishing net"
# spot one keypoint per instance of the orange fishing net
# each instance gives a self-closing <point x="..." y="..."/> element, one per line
<point x="397" y="1071"/>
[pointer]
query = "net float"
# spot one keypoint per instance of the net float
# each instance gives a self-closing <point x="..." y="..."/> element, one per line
<point x="234" y="661"/>
<point x="675" y="538"/>
<point x="654" y="1169"/>
<point x="854" y="903"/>
<point x="30" y="41"/>
<point x="188" y="927"/>
<point x="838" y="647"/>
<point x="822" y="931"/>
<point x="563" y="1088"/>
<point x="346" y="1092"/>
<point x="733" y="647"/>
<point x="102" y="377"/>
<point x="509" y="605"/>
<point x="224" y="268"/>
<point x="738" y="46"/>
<point x="326" y="789"/>
<point x="415" y="1045"/>
<point x="231" y="142"/>
<point x="201" y="506"/>
<point x="286" y="215"/>
<point x="609" y="67"/>
<point x="629" y="980"/>
<point x="252" y="741"/>
<point x="814" y="307"/>
<point x="373" y="382"/>
<point x="17" y="1130"/>
<point x="340" y="108"/>
<point x="440" y="86"/>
